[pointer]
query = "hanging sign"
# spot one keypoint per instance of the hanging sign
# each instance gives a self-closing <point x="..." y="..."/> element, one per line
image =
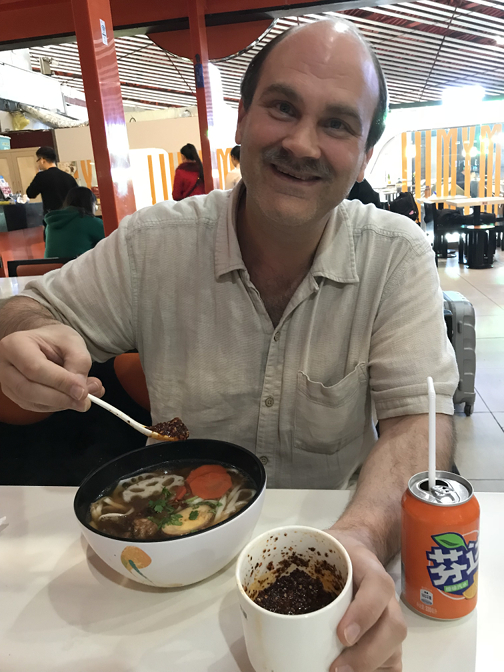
<point x="103" y="32"/>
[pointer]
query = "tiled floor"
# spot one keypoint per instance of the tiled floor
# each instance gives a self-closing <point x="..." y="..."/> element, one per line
<point x="480" y="450"/>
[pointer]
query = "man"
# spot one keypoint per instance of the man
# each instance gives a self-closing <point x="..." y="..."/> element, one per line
<point x="234" y="176"/>
<point x="50" y="182"/>
<point x="274" y="316"/>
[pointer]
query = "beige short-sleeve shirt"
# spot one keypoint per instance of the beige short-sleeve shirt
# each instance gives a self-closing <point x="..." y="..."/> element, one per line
<point x="365" y="328"/>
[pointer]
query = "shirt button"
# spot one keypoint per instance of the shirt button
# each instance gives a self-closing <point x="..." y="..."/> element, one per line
<point x="269" y="401"/>
<point x="276" y="337"/>
<point x="264" y="459"/>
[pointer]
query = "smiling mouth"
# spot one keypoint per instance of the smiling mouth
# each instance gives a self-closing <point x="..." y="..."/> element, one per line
<point x="292" y="176"/>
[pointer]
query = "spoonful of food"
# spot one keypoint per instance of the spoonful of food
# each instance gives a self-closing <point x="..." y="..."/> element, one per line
<point x="174" y="430"/>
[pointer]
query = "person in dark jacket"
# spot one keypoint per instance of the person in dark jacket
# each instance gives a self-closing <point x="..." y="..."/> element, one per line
<point x="74" y="229"/>
<point x="364" y="192"/>
<point x="50" y="182"/>
<point x="188" y="175"/>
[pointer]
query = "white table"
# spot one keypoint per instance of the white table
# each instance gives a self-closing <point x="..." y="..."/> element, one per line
<point x="12" y="286"/>
<point x="462" y="201"/>
<point x="63" y="610"/>
<point x="388" y="192"/>
<point x="433" y="199"/>
<point x="475" y="203"/>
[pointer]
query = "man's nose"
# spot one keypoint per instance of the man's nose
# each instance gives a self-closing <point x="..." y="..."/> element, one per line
<point x="302" y="140"/>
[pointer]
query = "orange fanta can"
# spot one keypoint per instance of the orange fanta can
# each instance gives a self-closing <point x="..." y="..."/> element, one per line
<point x="439" y="548"/>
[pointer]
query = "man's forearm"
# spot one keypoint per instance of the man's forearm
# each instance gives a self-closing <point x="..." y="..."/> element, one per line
<point x="21" y="314"/>
<point x="401" y="451"/>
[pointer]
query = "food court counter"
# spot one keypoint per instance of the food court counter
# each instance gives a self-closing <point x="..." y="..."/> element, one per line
<point x="63" y="609"/>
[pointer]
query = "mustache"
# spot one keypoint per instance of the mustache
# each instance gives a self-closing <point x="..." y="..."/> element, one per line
<point x="303" y="168"/>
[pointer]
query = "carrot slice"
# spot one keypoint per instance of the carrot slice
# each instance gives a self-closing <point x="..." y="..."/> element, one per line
<point x="180" y="491"/>
<point x="211" y="485"/>
<point x="205" y="469"/>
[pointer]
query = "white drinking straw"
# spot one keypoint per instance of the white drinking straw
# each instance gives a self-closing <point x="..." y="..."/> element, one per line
<point x="432" y="432"/>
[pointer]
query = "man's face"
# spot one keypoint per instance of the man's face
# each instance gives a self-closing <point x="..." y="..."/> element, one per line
<point x="41" y="163"/>
<point x="303" y="138"/>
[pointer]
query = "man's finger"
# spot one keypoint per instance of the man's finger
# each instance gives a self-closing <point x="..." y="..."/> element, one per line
<point x="35" y="367"/>
<point x="379" y="647"/>
<point x="95" y="387"/>
<point x="34" y="396"/>
<point x="373" y="595"/>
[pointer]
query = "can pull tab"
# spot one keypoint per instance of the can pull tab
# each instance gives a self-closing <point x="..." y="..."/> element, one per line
<point x="443" y="491"/>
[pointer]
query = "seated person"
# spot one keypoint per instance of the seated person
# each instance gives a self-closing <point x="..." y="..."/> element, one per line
<point x="278" y="316"/>
<point x="364" y="192"/>
<point x="74" y="229"/>
<point x="234" y="176"/>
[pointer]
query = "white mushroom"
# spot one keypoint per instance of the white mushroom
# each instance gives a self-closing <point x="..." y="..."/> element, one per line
<point x="204" y="517"/>
<point x="115" y="515"/>
<point x="149" y="487"/>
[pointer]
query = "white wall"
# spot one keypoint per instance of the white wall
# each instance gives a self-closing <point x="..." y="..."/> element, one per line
<point x="159" y="138"/>
<point x="168" y="134"/>
<point x="163" y="113"/>
<point x="20" y="58"/>
<point x="30" y="88"/>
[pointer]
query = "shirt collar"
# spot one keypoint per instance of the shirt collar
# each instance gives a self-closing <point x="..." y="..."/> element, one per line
<point x="335" y="256"/>
<point x="334" y="259"/>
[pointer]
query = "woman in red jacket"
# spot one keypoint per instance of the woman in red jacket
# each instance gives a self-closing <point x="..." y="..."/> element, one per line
<point x="189" y="174"/>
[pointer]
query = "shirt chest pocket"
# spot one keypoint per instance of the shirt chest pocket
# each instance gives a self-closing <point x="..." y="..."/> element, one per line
<point x="328" y="418"/>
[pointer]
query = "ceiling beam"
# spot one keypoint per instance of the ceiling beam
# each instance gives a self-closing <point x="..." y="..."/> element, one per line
<point x="28" y="23"/>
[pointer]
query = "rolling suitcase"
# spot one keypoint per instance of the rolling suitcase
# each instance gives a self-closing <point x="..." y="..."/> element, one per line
<point x="460" y="324"/>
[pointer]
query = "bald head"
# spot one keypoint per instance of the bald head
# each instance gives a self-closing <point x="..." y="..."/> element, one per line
<point x="330" y="42"/>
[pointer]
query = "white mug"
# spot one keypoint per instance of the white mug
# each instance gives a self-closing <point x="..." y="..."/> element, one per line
<point x="285" y="643"/>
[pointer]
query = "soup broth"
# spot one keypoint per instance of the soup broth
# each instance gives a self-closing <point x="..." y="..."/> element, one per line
<point x="171" y="500"/>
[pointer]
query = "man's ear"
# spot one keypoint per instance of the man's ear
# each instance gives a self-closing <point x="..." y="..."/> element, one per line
<point x="367" y="158"/>
<point x="241" y="115"/>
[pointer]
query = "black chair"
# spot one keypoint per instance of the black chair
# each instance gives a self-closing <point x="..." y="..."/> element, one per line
<point x="63" y="448"/>
<point x="15" y="217"/>
<point x="445" y="221"/>
<point x="19" y="267"/>
<point x="499" y="232"/>
<point x="23" y="215"/>
<point x="478" y="242"/>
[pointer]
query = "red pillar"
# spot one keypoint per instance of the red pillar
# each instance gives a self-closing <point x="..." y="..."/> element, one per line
<point x="100" y="74"/>
<point x="196" y="11"/>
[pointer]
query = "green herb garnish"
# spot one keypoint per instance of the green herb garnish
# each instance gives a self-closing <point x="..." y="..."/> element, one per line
<point x="162" y="506"/>
<point x="194" y="514"/>
<point x="211" y="503"/>
<point x="170" y="519"/>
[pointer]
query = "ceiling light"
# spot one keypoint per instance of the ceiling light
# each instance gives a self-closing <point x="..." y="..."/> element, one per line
<point x="463" y="95"/>
<point x="410" y="151"/>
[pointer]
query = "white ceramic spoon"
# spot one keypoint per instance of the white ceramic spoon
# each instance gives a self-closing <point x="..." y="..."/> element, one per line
<point x="136" y="425"/>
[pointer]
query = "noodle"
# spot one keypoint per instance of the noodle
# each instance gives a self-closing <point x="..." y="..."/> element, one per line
<point x="159" y="504"/>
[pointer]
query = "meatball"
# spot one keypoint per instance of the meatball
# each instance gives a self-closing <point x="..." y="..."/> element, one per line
<point x="143" y="528"/>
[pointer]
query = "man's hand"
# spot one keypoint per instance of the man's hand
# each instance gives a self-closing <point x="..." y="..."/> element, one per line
<point x="373" y="627"/>
<point x="46" y="369"/>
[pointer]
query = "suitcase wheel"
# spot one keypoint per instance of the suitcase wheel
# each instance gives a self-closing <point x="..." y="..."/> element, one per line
<point x="468" y="409"/>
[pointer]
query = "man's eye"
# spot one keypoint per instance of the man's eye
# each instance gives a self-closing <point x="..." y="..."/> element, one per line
<point x="284" y="108"/>
<point x="335" y="124"/>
